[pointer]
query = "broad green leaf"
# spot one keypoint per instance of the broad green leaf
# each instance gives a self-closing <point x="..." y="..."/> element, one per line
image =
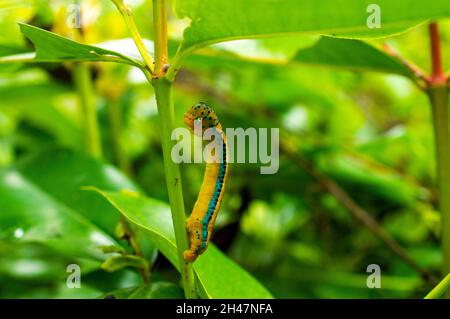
<point x="218" y="276"/>
<point x="6" y="50"/>
<point x="38" y="107"/>
<point x="217" y="20"/>
<point x="62" y="173"/>
<point x="155" y="290"/>
<point x="146" y="212"/>
<point x="28" y="214"/>
<point x="158" y="290"/>
<point x="30" y="261"/>
<point x="84" y="292"/>
<point x="51" y="47"/>
<point x="350" y="54"/>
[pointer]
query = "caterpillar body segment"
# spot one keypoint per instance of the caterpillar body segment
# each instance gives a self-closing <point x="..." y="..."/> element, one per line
<point x="200" y="223"/>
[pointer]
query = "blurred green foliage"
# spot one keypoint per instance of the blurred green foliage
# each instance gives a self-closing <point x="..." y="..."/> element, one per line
<point x="368" y="132"/>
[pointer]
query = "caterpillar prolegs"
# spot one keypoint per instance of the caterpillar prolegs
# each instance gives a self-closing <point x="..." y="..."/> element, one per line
<point x="200" y="223"/>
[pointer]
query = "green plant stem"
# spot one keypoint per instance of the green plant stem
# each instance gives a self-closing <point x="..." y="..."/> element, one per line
<point x="442" y="288"/>
<point x="164" y="101"/>
<point x="83" y="83"/>
<point x="160" y="34"/>
<point x="127" y="15"/>
<point x="125" y="231"/>
<point x="163" y="91"/>
<point x="438" y="95"/>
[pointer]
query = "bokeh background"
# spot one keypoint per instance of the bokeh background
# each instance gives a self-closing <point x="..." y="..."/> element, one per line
<point x="352" y="143"/>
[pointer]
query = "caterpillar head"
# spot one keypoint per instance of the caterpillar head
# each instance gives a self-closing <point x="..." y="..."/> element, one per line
<point x="201" y="112"/>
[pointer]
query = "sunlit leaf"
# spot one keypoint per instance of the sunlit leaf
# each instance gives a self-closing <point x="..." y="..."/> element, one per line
<point x="350" y="54"/>
<point x="216" y="20"/>
<point x="51" y="47"/>
<point x="28" y="214"/>
<point x="154" y="216"/>
<point x="62" y="173"/>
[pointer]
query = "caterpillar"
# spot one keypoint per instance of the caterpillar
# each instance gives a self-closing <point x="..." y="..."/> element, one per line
<point x="200" y="223"/>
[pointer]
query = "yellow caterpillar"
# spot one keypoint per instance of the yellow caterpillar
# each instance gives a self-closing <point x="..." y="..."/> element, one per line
<point x="200" y="223"/>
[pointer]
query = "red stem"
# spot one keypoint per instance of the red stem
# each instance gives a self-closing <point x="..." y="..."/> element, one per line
<point x="438" y="76"/>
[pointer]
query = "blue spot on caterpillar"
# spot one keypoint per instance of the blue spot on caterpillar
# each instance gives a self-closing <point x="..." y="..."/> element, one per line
<point x="200" y="223"/>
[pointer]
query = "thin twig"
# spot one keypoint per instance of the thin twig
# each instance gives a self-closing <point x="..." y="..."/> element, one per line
<point x="354" y="209"/>
<point x="128" y="18"/>
<point x="126" y="232"/>
<point x="418" y="72"/>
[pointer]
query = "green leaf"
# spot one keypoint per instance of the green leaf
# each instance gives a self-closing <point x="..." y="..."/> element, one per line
<point x="39" y="107"/>
<point x="352" y="55"/>
<point x="218" y="276"/>
<point x="155" y="290"/>
<point x="51" y="47"/>
<point x="144" y="212"/>
<point x="215" y="21"/>
<point x="23" y="261"/>
<point x="62" y="174"/>
<point x="28" y="214"/>
<point x="114" y="263"/>
<point x="158" y="290"/>
<point x="6" y="50"/>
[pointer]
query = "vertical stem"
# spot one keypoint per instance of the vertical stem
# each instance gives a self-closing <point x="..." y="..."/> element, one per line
<point x="164" y="101"/>
<point x="438" y="94"/>
<point x="160" y="37"/>
<point x="127" y="15"/>
<point x="163" y="91"/>
<point x="83" y="83"/>
<point x="439" y="101"/>
<point x="126" y="232"/>
<point x="436" y="59"/>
